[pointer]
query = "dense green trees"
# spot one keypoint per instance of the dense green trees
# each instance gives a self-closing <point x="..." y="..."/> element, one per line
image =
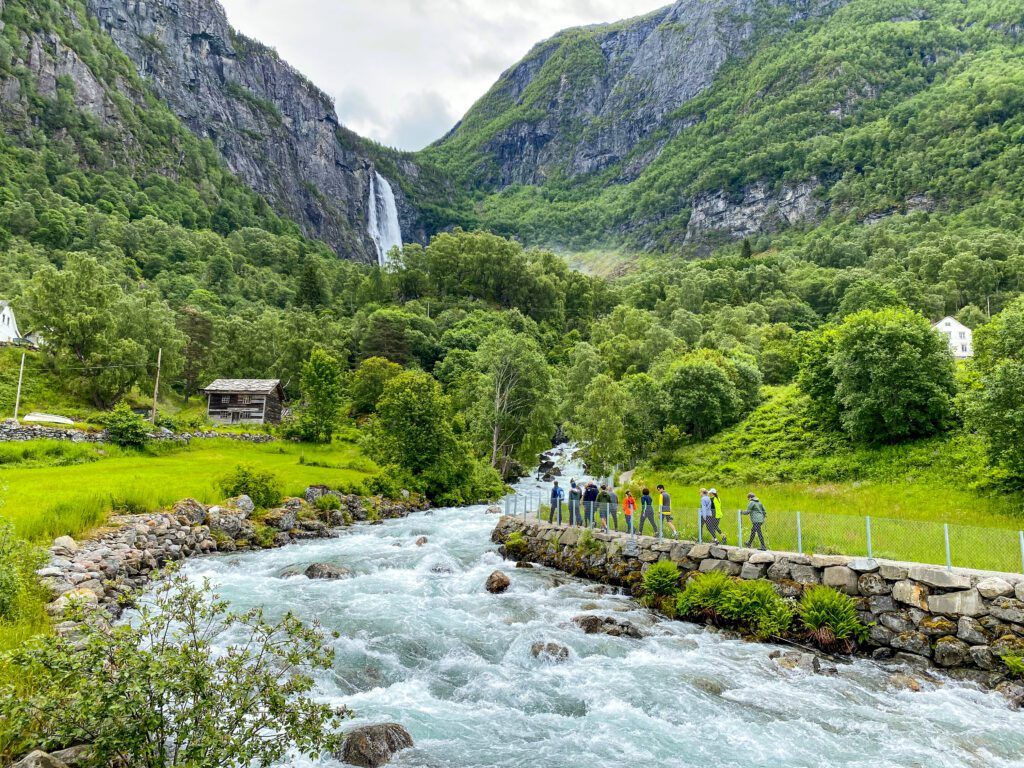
<point x="884" y="376"/>
<point x="319" y="414"/>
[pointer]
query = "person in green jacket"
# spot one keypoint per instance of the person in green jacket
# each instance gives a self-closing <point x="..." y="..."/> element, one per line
<point x="756" y="512"/>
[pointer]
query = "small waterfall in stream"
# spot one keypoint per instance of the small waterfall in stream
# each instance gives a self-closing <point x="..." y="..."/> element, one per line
<point x="385" y="231"/>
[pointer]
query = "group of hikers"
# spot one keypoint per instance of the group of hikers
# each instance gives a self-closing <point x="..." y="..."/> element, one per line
<point x="592" y="506"/>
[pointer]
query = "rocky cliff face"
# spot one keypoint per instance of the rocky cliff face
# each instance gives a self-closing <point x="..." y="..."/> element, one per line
<point x="591" y="98"/>
<point x="275" y="129"/>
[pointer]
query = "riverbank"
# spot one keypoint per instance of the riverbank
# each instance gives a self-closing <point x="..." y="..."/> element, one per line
<point x="961" y="622"/>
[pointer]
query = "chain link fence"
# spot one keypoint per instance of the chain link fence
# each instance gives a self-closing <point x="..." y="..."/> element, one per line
<point x="917" y="541"/>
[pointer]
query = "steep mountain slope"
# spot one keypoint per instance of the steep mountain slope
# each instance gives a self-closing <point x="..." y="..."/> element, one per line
<point x="713" y="121"/>
<point x="276" y="130"/>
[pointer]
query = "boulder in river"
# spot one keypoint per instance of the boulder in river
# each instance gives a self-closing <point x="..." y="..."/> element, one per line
<point x="374" y="745"/>
<point x="607" y="625"/>
<point x="494" y="509"/>
<point x="498" y="582"/>
<point x="326" y="571"/>
<point x="802" y="662"/>
<point x="421" y="541"/>
<point x="553" y="652"/>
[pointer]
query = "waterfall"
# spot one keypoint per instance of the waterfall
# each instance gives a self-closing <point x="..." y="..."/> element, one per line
<point x="385" y="231"/>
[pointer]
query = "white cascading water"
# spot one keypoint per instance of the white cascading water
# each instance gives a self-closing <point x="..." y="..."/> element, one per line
<point x="385" y="230"/>
<point x="421" y="643"/>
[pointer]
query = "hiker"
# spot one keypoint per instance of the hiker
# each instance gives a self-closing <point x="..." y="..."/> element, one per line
<point x="589" y="503"/>
<point x="603" y="500"/>
<point x="557" y="494"/>
<point x="707" y="515"/>
<point x="757" y="513"/>
<point x="628" y="508"/>
<point x="613" y="508"/>
<point x="666" y="511"/>
<point x="647" y="510"/>
<point x="717" y="503"/>
<point x="575" y="494"/>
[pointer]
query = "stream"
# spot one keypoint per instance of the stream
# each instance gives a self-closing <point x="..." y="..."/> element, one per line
<point x="423" y="644"/>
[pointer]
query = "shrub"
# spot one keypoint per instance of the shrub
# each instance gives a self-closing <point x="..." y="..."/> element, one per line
<point x="516" y="546"/>
<point x="262" y="487"/>
<point x="18" y="562"/>
<point x="153" y="693"/>
<point x="588" y="545"/>
<point x="661" y="579"/>
<point x="831" y="619"/>
<point x="1015" y="664"/>
<point x="126" y="428"/>
<point x="757" y="607"/>
<point x="703" y="596"/>
<point x="328" y="503"/>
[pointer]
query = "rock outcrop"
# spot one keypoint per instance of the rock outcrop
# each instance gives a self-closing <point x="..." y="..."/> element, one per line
<point x="276" y="130"/>
<point x="497" y="583"/>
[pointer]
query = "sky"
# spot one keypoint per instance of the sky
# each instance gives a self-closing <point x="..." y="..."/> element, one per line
<point x="403" y="72"/>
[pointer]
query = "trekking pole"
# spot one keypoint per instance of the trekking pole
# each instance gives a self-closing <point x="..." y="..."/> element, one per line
<point x="949" y="555"/>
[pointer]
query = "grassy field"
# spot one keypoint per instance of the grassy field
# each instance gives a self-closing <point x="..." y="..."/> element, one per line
<point x="44" y="501"/>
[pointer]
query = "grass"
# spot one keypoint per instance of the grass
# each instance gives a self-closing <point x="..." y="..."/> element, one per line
<point x="48" y="501"/>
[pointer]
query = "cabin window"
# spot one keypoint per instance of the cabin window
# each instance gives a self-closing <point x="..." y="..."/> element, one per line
<point x="245" y="399"/>
<point x="225" y="399"/>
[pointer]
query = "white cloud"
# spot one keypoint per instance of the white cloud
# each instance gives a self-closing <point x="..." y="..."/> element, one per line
<point x="403" y="71"/>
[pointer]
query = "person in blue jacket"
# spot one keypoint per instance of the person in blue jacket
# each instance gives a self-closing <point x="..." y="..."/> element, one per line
<point x="557" y="494"/>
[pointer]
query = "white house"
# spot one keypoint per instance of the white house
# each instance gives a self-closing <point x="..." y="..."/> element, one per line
<point x="8" y="325"/>
<point x="961" y="338"/>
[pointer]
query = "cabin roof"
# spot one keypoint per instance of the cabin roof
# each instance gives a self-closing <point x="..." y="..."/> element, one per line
<point x="244" y="386"/>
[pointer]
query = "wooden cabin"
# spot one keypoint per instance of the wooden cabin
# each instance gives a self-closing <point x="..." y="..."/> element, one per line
<point x="245" y="401"/>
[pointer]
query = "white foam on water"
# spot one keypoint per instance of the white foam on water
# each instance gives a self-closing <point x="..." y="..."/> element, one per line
<point x="452" y="663"/>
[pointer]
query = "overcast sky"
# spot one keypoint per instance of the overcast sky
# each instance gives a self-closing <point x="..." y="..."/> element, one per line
<point x="404" y="71"/>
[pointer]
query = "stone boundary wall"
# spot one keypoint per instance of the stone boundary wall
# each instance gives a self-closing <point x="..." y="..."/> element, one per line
<point x="961" y="621"/>
<point x="11" y="432"/>
<point x="103" y="571"/>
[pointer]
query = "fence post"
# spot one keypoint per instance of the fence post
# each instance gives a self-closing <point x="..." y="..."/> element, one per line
<point x="867" y="522"/>
<point x="700" y="528"/>
<point x="949" y="556"/>
<point x="1021" y="551"/>
<point x="739" y="528"/>
<point x="799" y="534"/>
<point x="661" y="524"/>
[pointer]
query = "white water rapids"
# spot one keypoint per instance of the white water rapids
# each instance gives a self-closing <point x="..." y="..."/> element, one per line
<point x="424" y="645"/>
<point x="385" y="229"/>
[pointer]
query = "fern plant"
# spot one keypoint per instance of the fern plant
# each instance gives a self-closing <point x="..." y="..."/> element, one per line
<point x="703" y="596"/>
<point x="831" y="620"/>
<point x="1016" y="666"/>
<point x="588" y="545"/>
<point x="661" y="579"/>
<point x="757" y="607"/>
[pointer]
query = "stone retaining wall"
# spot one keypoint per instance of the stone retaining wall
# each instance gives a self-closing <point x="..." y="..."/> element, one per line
<point x="120" y="560"/>
<point x="13" y="432"/>
<point x="961" y="621"/>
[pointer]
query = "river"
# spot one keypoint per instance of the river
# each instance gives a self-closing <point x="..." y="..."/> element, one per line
<point x="424" y="645"/>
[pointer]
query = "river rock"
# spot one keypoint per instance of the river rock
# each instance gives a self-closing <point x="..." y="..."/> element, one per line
<point x="191" y="510"/>
<point x="39" y="759"/>
<point x="553" y="652"/>
<point x="994" y="587"/>
<point x="912" y="642"/>
<point x="607" y="625"/>
<point x="326" y="571"/>
<point x="283" y="519"/>
<point x="65" y="543"/>
<point x="374" y="745"/>
<point x="494" y="509"/>
<point x="421" y="541"/>
<point x="900" y="681"/>
<point x="937" y="626"/>
<point x="497" y="583"/>
<point x="1013" y="692"/>
<point x="801" y="662"/>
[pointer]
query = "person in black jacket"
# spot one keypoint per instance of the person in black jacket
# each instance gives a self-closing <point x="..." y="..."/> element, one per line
<point x="589" y="504"/>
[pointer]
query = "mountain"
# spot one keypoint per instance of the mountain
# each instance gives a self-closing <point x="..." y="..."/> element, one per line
<point x="716" y="120"/>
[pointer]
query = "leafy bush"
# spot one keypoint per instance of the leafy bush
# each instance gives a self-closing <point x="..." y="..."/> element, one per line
<point x="18" y="562"/>
<point x="516" y="545"/>
<point x="661" y="579"/>
<point x="126" y="428"/>
<point x="263" y="488"/>
<point x="328" y="503"/>
<point x="831" y="619"/>
<point x="756" y="606"/>
<point x="153" y="693"/>
<point x="704" y="595"/>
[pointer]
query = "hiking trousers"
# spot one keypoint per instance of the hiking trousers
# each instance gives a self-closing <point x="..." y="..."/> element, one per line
<point x="611" y="515"/>
<point x="574" y="512"/>
<point x="555" y="504"/>
<point x="711" y="524"/>
<point x="645" y="515"/>
<point x="756" y="531"/>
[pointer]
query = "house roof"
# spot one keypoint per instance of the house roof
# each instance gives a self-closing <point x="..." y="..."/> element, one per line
<point x="246" y="386"/>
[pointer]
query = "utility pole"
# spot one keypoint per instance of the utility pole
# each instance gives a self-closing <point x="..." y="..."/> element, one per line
<point x="17" y="397"/>
<point x="156" y="387"/>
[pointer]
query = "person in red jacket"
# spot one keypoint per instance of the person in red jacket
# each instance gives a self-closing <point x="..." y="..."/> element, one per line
<point x="628" y="508"/>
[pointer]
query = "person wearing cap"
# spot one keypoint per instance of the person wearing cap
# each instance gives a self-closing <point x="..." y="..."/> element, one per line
<point x="717" y="503"/>
<point x="707" y="514"/>
<point x="756" y="512"/>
